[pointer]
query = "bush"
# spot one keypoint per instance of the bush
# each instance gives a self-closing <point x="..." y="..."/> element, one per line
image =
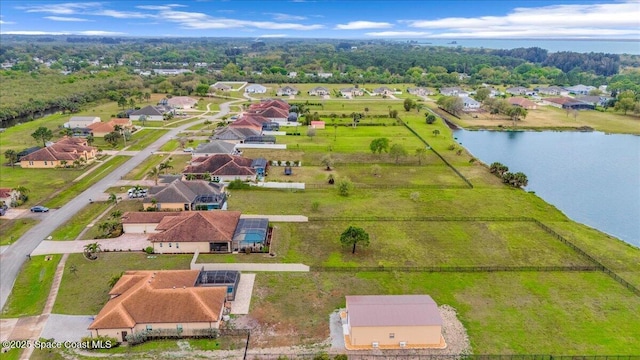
<point x="315" y="206"/>
<point x="345" y="187"/>
<point x="148" y="250"/>
<point x="238" y="184"/>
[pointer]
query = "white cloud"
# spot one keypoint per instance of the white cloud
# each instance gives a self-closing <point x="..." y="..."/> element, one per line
<point x="359" y="25"/>
<point x="398" y="34"/>
<point x="2" y="22"/>
<point x="286" y="17"/>
<point x="200" y="21"/>
<point x="159" y="7"/>
<point x="272" y="36"/>
<point x="575" y="20"/>
<point x="122" y="14"/>
<point x="66" y="18"/>
<point x="61" y="9"/>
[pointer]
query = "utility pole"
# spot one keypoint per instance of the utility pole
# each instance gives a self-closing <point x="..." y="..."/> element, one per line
<point x="246" y="347"/>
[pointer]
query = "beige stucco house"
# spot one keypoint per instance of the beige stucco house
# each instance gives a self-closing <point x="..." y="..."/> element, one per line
<point x="160" y="300"/>
<point x="392" y="322"/>
<point x="62" y="153"/>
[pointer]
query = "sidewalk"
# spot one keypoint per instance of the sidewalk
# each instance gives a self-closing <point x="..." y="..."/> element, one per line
<point x="126" y="242"/>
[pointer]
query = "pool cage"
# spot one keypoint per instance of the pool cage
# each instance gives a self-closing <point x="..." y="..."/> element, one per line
<point x="252" y="234"/>
<point x="226" y="278"/>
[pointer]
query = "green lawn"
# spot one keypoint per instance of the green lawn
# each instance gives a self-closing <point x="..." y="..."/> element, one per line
<point x="145" y="137"/>
<point x="86" y="290"/>
<point x="504" y="313"/>
<point x="125" y="205"/>
<point x="42" y="183"/>
<point x="32" y="287"/>
<point x="12" y="230"/>
<point x="76" y="188"/>
<point x="141" y="171"/>
<point x="73" y="227"/>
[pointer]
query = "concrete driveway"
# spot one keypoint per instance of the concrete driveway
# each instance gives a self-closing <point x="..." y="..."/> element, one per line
<point x="67" y="327"/>
<point x="126" y="242"/>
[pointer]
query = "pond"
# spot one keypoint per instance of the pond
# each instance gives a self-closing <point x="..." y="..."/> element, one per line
<point x="593" y="177"/>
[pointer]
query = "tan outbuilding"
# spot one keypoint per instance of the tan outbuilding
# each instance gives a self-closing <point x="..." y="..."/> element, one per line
<point x="392" y="322"/>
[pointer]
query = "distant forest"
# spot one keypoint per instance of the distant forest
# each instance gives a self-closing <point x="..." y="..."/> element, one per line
<point x="97" y="65"/>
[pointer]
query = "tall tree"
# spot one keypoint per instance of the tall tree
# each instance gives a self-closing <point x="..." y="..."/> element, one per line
<point x="11" y="156"/>
<point x="421" y="153"/>
<point x="379" y="145"/>
<point x="154" y="173"/>
<point x="354" y="235"/>
<point x="397" y="151"/>
<point x="327" y="162"/>
<point x="42" y="134"/>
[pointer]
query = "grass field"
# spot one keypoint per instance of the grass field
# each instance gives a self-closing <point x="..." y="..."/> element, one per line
<point x="143" y="138"/>
<point x="141" y="171"/>
<point x="504" y="313"/>
<point x="73" y="227"/>
<point x="12" y="230"/>
<point x="85" y="291"/>
<point x="32" y="287"/>
<point x="40" y="182"/>
<point x="125" y="205"/>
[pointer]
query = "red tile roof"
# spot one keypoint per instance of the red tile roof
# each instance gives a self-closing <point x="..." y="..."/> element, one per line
<point x="148" y="297"/>
<point x="101" y="127"/>
<point x="144" y="217"/>
<point x="525" y="103"/>
<point x="197" y="226"/>
<point x="274" y="112"/>
<point x="5" y="192"/>
<point x="65" y="149"/>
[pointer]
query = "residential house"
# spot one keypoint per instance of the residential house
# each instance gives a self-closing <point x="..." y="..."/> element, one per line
<point x="220" y="86"/>
<point x="247" y="122"/>
<point x="270" y="102"/>
<point x="517" y="90"/>
<point x="9" y="197"/>
<point x="151" y="113"/>
<point x="186" y="195"/>
<point x="522" y="102"/>
<point x="568" y="103"/>
<point x="100" y="129"/>
<point x="292" y="74"/>
<point x="452" y="91"/>
<point x="65" y="151"/>
<point x="470" y="104"/>
<point x="222" y="167"/>
<point x="234" y="135"/>
<point x="81" y="121"/>
<point x="325" y="75"/>
<point x="275" y="114"/>
<point x="255" y="89"/>
<point x="382" y="91"/>
<point x="594" y="99"/>
<point x="351" y="92"/>
<point x="552" y="91"/>
<point x="419" y="91"/>
<point x="392" y="322"/>
<point x="143" y="222"/>
<point x="287" y="91"/>
<point x="170" y="300"/>
<point x="318" y="124"/>
<point x="182" y="102"/>
<point x="214" y="147"/>
<point x="580" y="89"/>
<point x="27" y="151"/>
<point x="319" y="91"/>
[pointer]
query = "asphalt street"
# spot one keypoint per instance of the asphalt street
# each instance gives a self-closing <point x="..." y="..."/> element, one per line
<point x="12" y="258"/>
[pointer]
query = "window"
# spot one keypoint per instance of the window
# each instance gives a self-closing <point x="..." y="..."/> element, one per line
<point x="149" y="327"/>
<point x="160" y="244"/>
<point x="177" y="245"/>
<point x="45" y="162"/>
<point x="179" y="327"/>
<point x="392" y="335"/>
<point x="169" y="244"/>
<point x="30" y="162"/>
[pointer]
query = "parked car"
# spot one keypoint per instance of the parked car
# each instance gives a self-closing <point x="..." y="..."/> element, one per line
<point x="189" y="150"/>
<point x="39" y="208"/>
<point x="3" y="209"/>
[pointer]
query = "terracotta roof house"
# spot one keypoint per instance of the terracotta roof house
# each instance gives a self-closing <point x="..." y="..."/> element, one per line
<point x="271" y="102"/>
<point x="255" y="89"/>
<point x="287" y="91"/>
<point x="247" y="122"/>
<point x="8" y="196"/>
<point x="255" y="117"/>
<point x="186" y="195"/>
<point x="522" y="102"/>
<point x="171" y="300"/>
<point x="222" y="167"/>
<point x="234" y="135"/>
<point x="143" y="222"/>
<point x="275" y="114"/>
<point x="214" y="147"/>
<point x="81" y="121"/>
<point x="319" y="91"/>
<point x="203" y="231"/>
<point x="392" y="322"/>
<point x="61" y="153"/>
<point x="151" y="113"/>
<point x="568" y="103"/>
<point x="100" y="129"/>
<point x="182" y="102"/>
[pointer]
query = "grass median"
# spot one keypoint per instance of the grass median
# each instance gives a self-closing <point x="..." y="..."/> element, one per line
<point x="12" y="230"/>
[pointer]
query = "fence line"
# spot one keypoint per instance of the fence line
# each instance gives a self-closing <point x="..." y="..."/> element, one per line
<point x="391" y="356"/>
<point x="438" y="154"/>
<point x="461" y="269"/>
<point x="422" y="218"/>
<point x="388" y="186"/>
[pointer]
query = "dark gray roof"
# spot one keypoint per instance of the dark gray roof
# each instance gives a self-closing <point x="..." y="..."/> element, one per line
<point x="239" y="133"/>
<point x="215" y="147"/>
<point x="259" y="162"/>
<point x="148" y="110"/>
<point x="182" y="191"/>
<point x="392" y="310"/>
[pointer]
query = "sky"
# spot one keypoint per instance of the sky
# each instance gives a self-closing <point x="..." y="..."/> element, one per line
<point x="340" y="19"/>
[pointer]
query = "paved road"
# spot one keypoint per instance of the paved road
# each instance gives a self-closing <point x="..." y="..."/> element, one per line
<point x="12" y="258"/>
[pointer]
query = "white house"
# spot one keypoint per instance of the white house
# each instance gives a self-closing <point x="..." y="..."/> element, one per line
<point x="81" y="121"/>
<point x="255" y="89"/>
<point x="287" y="90"/>
<point x="470" y="104"/>
<point x="319" y="91"/>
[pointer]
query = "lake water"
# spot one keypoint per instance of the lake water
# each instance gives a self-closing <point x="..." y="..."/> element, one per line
<point x="592" y="177"/>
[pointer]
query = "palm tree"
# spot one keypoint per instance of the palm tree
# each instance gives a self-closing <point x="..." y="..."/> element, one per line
<point x="23" y="191"/>
<point x="90" y="139"/>
<point x="113" y="198"/>
<point x="154" y="173"/>
<point x="165" y="166"/>
<point x="190" y="176"/>
<point x="147" y="96"/>
<point x="143" y="119"/>
<point x="92" y="248"/>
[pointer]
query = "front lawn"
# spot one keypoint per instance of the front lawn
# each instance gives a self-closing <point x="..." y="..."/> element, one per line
<point x="32" y="287"/>
<point x="41" y="183"/>
<point x="140" y="140"/>
<point x="85" y="291"/>
<point x="74" y="226"/>
<point x="12" y="230"/>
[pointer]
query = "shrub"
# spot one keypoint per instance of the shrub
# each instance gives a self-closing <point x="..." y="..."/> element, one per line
<point x="345" y="187"/>
<point x="341" y="357"/>
<point x="238" y="184"/>
<point x="148" y="250"/>
<point x="315" y="206"/>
